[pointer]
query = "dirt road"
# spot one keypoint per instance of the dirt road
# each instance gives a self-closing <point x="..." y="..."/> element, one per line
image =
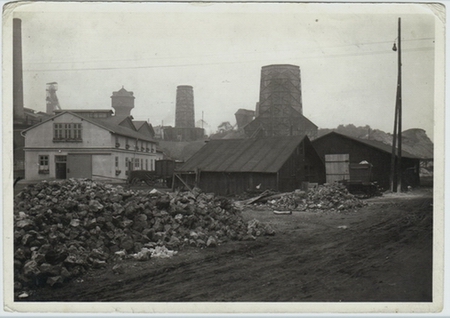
<point x="382" y="252"/>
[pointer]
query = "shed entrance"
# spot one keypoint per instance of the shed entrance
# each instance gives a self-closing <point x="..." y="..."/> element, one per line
<point x="337" y="167"/>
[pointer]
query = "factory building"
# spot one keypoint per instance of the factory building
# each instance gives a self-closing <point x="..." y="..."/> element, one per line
<point x="232" y="166"/>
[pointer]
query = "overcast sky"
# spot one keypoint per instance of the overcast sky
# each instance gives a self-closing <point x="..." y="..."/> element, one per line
<point x="348" y="68"/>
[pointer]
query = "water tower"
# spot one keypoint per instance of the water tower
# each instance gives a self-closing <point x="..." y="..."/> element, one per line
<point x="123" y="102"/>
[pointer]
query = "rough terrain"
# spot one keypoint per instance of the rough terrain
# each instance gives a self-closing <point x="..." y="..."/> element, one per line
<point x="379" y="252"/>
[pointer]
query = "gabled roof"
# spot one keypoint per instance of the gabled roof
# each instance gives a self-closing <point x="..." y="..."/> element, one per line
<point x="138" y="123"/>
<point x="243" y="155"/>
<point x="124" y="121"/>
<point x="371" y="143"/>
<point x="105" y="123"/>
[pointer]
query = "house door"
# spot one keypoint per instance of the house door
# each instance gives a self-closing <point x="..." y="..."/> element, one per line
<point x="337" y="167"/>
<point x="60" y="167"/>
<point x="79" y="166"/>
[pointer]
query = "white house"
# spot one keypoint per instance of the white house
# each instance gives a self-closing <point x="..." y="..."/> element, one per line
<point x="87" y="144"/>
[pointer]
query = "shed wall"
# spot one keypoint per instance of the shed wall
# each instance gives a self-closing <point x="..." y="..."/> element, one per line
<point x="358" y="152"/>
<point x="229" y="183"/>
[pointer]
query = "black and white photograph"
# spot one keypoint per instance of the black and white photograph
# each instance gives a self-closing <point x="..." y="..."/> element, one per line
<point x="223" y="157"/>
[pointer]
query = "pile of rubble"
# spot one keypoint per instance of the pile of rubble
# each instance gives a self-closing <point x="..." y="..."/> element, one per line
<point x="324" y="197"/>
<point x="63" y="228"/>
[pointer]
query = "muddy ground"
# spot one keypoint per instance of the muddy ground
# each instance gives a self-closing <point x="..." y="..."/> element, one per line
<point x="382" y="252"/>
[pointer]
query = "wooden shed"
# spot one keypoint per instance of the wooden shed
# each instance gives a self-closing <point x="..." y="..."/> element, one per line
<point x="232" y="166"/>
<point x="340" y="150"/>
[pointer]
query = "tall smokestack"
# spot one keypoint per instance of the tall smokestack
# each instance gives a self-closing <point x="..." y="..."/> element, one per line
<point x="18" y="113"/>
<point x="184" y="112"/>
<point x="280" y="86"/>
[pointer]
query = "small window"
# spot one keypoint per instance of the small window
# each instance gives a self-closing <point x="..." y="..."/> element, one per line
<point x="43" y="164"/>
<point x="146" y="164"/>
<point x="136" y="163"/>
<point x="117" y="162"/>
<point x="43" y="160"/>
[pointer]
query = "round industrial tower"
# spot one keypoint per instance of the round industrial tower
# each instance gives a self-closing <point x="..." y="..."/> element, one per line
<point x="280" y="86"/>
<point x="184" y="109"/>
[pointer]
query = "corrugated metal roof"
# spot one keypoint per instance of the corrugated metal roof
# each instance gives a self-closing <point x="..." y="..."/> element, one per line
<point x="372" y="143"/>
<point x="243" y="155"/>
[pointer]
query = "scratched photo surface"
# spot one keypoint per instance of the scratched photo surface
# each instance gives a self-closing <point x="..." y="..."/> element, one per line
<point x="252" y="157"/>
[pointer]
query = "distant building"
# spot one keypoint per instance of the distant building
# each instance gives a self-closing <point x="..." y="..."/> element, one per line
<point x="244" y="117"/>
<point x="144" y="128"/>
<point x="204" y="125"/>
<point x="87" y="144"/>
<point x="183" y="134"/>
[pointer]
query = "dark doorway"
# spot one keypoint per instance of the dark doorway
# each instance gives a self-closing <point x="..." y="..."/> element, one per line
<point x="61" y="167"/>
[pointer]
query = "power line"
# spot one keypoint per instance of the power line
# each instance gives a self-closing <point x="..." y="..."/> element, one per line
<point x="219" y="55"/>
<point x="219" y="63"/>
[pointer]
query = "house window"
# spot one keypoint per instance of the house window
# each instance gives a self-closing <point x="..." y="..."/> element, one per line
<point x="67" y="132"/>
<point x="58" y="131"/>
<point x="136" y="163"/>
<point x="117" y="162"/>
<point x="146" y="164"/>
<point x="142" y="163"/>
<point x="126" y="163"/>
<point x="43" y="164"/>
<point x="117" y="142"/>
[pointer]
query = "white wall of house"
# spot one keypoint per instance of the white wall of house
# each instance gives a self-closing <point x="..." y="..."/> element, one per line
<point x="32" y="166"/>
<point x="102" y="166"/>
<point x="42" y="135"/>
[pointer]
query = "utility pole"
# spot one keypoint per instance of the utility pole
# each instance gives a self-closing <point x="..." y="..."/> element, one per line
<point x="399" y="101"/>
<point x="396" y="169"/>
